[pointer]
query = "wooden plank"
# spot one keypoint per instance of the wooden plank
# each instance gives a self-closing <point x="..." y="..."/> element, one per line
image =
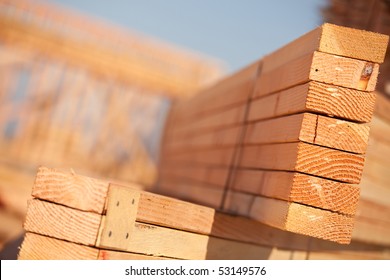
<point x="73" y="190"/>
<point x="297" y="187"/>
<point x="215" y="176"/>
<point x="190" y="191"/>
<point x="320" y="67"/>
<point x="224" y="137"/>
<point x="218" y="120"/>
<point x="303" y="219"/>
<point x="60" y="187"/>
<point x="332" y="39"/>
<point x="305" y="158"/>
<point x="310" y="128"/>
<point x="39" y="247"/>
<point x="229" y="92"/>
<point x="62" y="222"/>
<point x="220" y="157"/>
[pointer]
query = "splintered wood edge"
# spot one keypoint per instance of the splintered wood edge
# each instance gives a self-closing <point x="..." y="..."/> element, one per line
<point x="118" y="223"/>
<point x="303" y="219"/>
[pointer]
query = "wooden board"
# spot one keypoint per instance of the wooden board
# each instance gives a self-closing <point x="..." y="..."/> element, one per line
<point x="333" y="39"/>
<point x="229" y="92"/>
<point x="305" y="158"/>
<point x="298" y="187"/>
<point x="39" y="247"/>
<point x="215" y="176"/>
<point x="320" y="67"/>
<point x="330" y="100"/>
<point x="303" y="219"/>
<point x="310" y="128"/>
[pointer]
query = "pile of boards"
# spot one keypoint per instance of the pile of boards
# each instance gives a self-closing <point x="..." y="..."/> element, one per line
<point x="283" y="141"/>
<point x="77" y="217"/>
<point x="272" y="156"/>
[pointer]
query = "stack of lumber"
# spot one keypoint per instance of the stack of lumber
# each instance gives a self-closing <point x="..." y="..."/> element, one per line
<point x="78" y="217"/>
<point x="284" y="140"/>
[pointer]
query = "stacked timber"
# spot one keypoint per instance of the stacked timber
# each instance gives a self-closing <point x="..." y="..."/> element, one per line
<point x="78" y="217"/>
<point x="284" y="140"/>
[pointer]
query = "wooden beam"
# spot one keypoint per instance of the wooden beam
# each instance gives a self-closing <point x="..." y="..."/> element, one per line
<point x="315" y="97"/>
<point x="305" y="158"/>
<point x="320" y="67"/>
<point x="39" y="247"/>
<point x="314" y="222"/>
<point x="62" y="222"/>
<point x="333" y="39"/>
<point x="298" y="187"/>
<point x="310" y="128"/>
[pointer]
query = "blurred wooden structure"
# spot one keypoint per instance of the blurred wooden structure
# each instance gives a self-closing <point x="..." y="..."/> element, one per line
<point x="78" y="92"/>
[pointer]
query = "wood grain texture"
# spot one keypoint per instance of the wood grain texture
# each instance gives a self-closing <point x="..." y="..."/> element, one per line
<point x="320" y="67"/>
<point x="39" y="247"/>
<point x="330" y="100"/>
<point x="191" y="191"/>
<point x="229" y="92"/>
<point x="303" y="219"/>
<point x="221" y="157"/>
<point x="350" y="42"/>
<point x="160" y="241"/>
<point x="215" y="176"/>
<point x="305" y="158"/>
<point x="224" y="137"/>
<point x="70" y="189"/>
<point x="219" y="119"/>
<point x="62" y="222"/>
<point x="310" y="128"/>
<point x="332" y="39"/>
<point x="297" y="187"/>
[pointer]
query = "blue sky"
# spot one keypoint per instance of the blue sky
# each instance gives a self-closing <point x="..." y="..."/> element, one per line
<point x="236" y="32"/>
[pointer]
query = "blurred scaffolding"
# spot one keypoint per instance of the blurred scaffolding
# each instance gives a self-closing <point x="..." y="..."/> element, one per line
<point x="79" y="93"/>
